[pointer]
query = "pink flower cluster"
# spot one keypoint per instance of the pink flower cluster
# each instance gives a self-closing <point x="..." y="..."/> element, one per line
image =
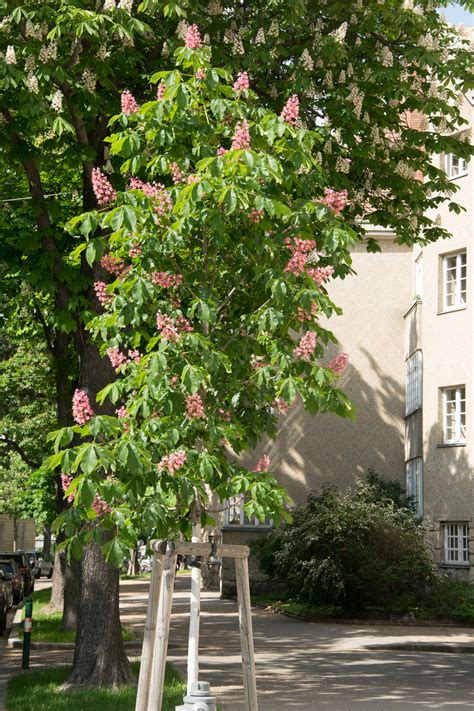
<point x="221" y="151"/>
<point x="225" y="414"/>
<point x="100" y="506"/>
<point x="122" y="412"/>
<point x="100" y="288"/>
<point x="320" y="274"/>
<point x="256" y="215"/>
<point x="135" y="250"/>
<point x="282" y="406"/>
<point x="81" y="407"/>
<point x="176" y="173"/>
<point x="129" y="105"/>
<point x="156" y="192"/>
<point x="102" y="187"/>
<point x="200" y="74"/>
<point x="306" y="346"/>
<point x="302" y="315"/>
<point x="241" y="139"/>
<point x="172" y="462"/>
<point x="166" y="280"/>
<point x="336" y="200"/>
<point x="193" y="39"/>
<point x="194" y="406"/>
<point x="291" y="110"/>
<point x="160" y="91"/>
<point x="263" y="464"/>
<point x="339" y="363"/>
<point x="242" y="83"/>
<point x="172" y="329"/>
<point x="117" y="358"/>
<point x="114" y="265"/>
<point x="300" y="249"/>
<point x="66" y="480"/>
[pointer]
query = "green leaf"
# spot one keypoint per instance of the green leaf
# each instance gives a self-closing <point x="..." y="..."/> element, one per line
<point x="90" y="253"/>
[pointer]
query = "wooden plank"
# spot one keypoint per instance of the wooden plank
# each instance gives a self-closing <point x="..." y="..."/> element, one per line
<point x="194" y="616"/>
<point x="149" y="635"/>
<point x="155" y="697"/>
<point x="225" y="550"/>
<point x="246" y="635"/>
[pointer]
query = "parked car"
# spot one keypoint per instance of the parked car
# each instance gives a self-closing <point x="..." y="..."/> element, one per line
<point x="22" y="561"/>
<point x="8" y="587"/>
<point x="12" y="573"/>
<point x="45" y="566"/>
<point x="4" y="598"/>
<point x="33" y="561"/>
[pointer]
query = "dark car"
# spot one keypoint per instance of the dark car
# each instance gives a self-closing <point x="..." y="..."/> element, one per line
<point x="22" y="561"/>
<point x="12" y="574"/>
<point x="4" y="598"/>
<point x="33" y="562"/>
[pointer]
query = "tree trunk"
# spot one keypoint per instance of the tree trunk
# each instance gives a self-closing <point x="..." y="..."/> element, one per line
<point x="99" y="656"/>
<point x="46" y="541"/>
<point x="59" y="576"/>
<point x="132" y="568"/>
<point x="72" y="593"/>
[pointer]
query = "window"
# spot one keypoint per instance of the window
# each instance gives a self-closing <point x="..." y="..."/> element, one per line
<point x="419" y="277"/>
<point x="456" y="543"/>
<point x="454" y="415"/>
<point x="455" y="166"/>
<point x="454" y="281"/>
<point x="413" y="383"/>
<point x="414" y="471"/>
<point x="234" y="514"/>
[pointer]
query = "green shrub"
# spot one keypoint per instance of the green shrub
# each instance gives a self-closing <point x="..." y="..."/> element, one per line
<point x="354" y="549"/>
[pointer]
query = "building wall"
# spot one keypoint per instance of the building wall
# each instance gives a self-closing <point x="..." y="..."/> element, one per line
<point x="446" y="339"/>
<point x="25" y="533"/>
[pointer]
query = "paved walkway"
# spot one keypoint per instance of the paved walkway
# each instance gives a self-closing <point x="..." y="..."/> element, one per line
<point x="302" y="666"/>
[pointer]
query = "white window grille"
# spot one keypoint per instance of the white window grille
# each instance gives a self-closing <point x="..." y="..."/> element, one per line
<point x="454" y="281"/>
<point x="456" y="543"/>
<point x="414" y="486"/>
<point x="455" y="166"/>
<point x="454" y="415"/>
<point x="234" y="515"/>
<point x="414" y="383"/>
<point x="419" y="277"/>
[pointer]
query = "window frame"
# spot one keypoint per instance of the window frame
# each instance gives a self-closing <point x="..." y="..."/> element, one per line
<point x="414" y="483"/>
<point x="458" y="414"/>
<point x="414" y="387"/>
<point x="463" y="166"/>
<point x="236" y="504"/>
<point x="458" y="531"/>
<point x="459" y="293"/>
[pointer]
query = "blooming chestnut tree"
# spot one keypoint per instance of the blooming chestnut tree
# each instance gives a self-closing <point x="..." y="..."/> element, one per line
<point x="219" y="238"/>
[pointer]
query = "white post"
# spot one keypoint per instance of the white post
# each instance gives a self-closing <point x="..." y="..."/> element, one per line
<point x="195" y="605"/>
<point x="155" y="696"/>
<point x="246" y="635"/>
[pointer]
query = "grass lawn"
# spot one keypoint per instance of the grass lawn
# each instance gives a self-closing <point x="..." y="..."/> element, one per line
<point x="38" y="691"/>
<point x="47" y="626"/>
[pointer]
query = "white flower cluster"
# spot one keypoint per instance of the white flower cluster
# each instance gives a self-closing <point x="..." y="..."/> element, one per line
<point x="10" y="56"/>
<point x="103" y="53"/>
<point x="340" y="34"/>
<point x="307" y="61"/>
<point x="229" y="36"/>
<point x="57" y="101"/>
<point x="238" y="46"/>
<point x="428" y="42"/>
<point x="342" y="77"/>
<point x="350" y="70"/>
<point x="2" y="118"/>
<point x="273" y="91"/>
<point x="260" y="38"/>
<point x="30" y="63"/>
<point x="125" y="5"/>
<point x="89" y="80"/>
<point x="328" y="81"/>
<point x="366" y="117"/>
<point x="375" y="135"/>
<point x="36" y="31"/>
<point x="343" y="165"/>
<point x="274" y="30"/>
<point x="32" y="84"/>
<point x="48" y="52"/>
<point x="181" y="29"/>
<point x="327" y="148"/>
<point x="353" y="19"/>
<point x="214" y="8"/>
<point x="5" y="22"/>
<point x="128" y="42"/>
<point x="385" y="56"/>
<point x="356" y="98"/>
<point x="404" y="170"/>
<point x="108" y="5"/>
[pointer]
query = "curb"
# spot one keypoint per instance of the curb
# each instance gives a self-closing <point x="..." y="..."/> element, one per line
<point x="440" y="648"/>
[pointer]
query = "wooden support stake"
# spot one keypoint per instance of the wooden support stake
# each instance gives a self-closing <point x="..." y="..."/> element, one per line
<point x="246" y="635"/>
<point x="194" y="615"/>
<point x="155" y="698"/>
<point x="149" y="635"/>
<point x="223" y="550"/>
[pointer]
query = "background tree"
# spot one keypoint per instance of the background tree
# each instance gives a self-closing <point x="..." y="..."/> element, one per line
<point x="65" y="63"/>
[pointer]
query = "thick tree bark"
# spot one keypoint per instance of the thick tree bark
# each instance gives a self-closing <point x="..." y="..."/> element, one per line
<point x="72" y="595"/>
<point x="99" y="656"/>
<point x="46" y="540"/>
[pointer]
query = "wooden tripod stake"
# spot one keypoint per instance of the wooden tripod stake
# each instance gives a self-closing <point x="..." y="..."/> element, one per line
<point x="155" y="641"/>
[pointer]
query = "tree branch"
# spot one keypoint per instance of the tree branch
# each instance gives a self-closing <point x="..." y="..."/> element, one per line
<point x="19" y="450"/>
<point x="46" y="328"/>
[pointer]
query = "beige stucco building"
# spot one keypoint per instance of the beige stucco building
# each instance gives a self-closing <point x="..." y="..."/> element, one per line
<point x="408" y="326"/>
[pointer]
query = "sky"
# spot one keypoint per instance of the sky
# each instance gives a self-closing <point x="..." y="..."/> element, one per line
<point x="456" y="14"/>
